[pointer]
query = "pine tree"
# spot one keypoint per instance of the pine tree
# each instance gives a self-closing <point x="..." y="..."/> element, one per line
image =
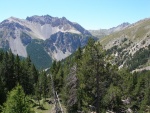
<point x="2" y="92"/>
<point x="38" y="92"/>
<point x="27" y="76"/>
<point x="17" y="69"/>
<point x="44" y="83"/>
<point x="113" y="98"/>
<point x="91" y="69"/>
<point x="59" y="80"/>
<point x="17" y="102"/>
<point x="8" y="75"/>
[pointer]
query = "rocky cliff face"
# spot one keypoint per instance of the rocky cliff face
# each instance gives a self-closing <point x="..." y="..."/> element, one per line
<point x="61" y="45"/>
<point x="59" y="36"/>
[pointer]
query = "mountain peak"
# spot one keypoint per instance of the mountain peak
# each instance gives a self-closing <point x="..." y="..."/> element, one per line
<point x="124" y="24"/>
<point x="61" y="36"/>
<point x="13" y="19"/>
<point x="39" y="17"/>
<point x="59" y="24"/>
<point x="104" y="32"/>
<point x="119" y="27"/>
<point x="47" y="19"/>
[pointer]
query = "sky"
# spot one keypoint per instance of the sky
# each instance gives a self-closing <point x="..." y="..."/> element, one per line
<point x="91" y="14"/>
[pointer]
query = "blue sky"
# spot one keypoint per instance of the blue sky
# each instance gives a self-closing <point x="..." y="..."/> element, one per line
<point x="91" y="14"/>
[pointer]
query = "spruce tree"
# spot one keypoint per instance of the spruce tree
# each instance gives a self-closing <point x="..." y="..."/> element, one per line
<point x="43" y="83"/>
<point x="91" y="69"/>
<point x="17" y="102"/>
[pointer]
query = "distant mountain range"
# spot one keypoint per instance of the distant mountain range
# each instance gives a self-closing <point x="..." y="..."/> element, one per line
<point x="43" y="38"/>
<point x="104" y="32"/>
<point x="46" y="38"/>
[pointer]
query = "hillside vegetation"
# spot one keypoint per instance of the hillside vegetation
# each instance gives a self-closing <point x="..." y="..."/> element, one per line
<point x="38" y="55"/>
<point x="130" y="47"/>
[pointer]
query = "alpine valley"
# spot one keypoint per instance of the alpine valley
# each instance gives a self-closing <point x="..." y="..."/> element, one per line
<point x="107" y="74"/>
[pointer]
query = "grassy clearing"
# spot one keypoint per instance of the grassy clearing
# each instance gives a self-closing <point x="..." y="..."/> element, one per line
<point x="44" y="106"/>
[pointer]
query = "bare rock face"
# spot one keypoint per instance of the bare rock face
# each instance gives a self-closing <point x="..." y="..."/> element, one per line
<point x="61" y="23"/>
<point x="62" y="45"/>
<point x="46" y="19"/>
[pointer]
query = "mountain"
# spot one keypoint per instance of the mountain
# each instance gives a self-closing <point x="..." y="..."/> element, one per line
<point x="43" y="38"/>
<point x="130" y="46"/>
<point x="104" y="32"/>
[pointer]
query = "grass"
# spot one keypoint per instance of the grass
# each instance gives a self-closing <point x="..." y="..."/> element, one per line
<point x="44" y="106"/>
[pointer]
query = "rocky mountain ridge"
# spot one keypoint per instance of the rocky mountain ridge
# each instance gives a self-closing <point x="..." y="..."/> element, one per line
<point x="104" y="32"/>
<point x="58" y="37"/>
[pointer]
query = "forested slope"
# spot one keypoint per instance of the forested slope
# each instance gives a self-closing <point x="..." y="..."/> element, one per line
<point x="87" y="81"/>
<point x="21" y="84"/>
